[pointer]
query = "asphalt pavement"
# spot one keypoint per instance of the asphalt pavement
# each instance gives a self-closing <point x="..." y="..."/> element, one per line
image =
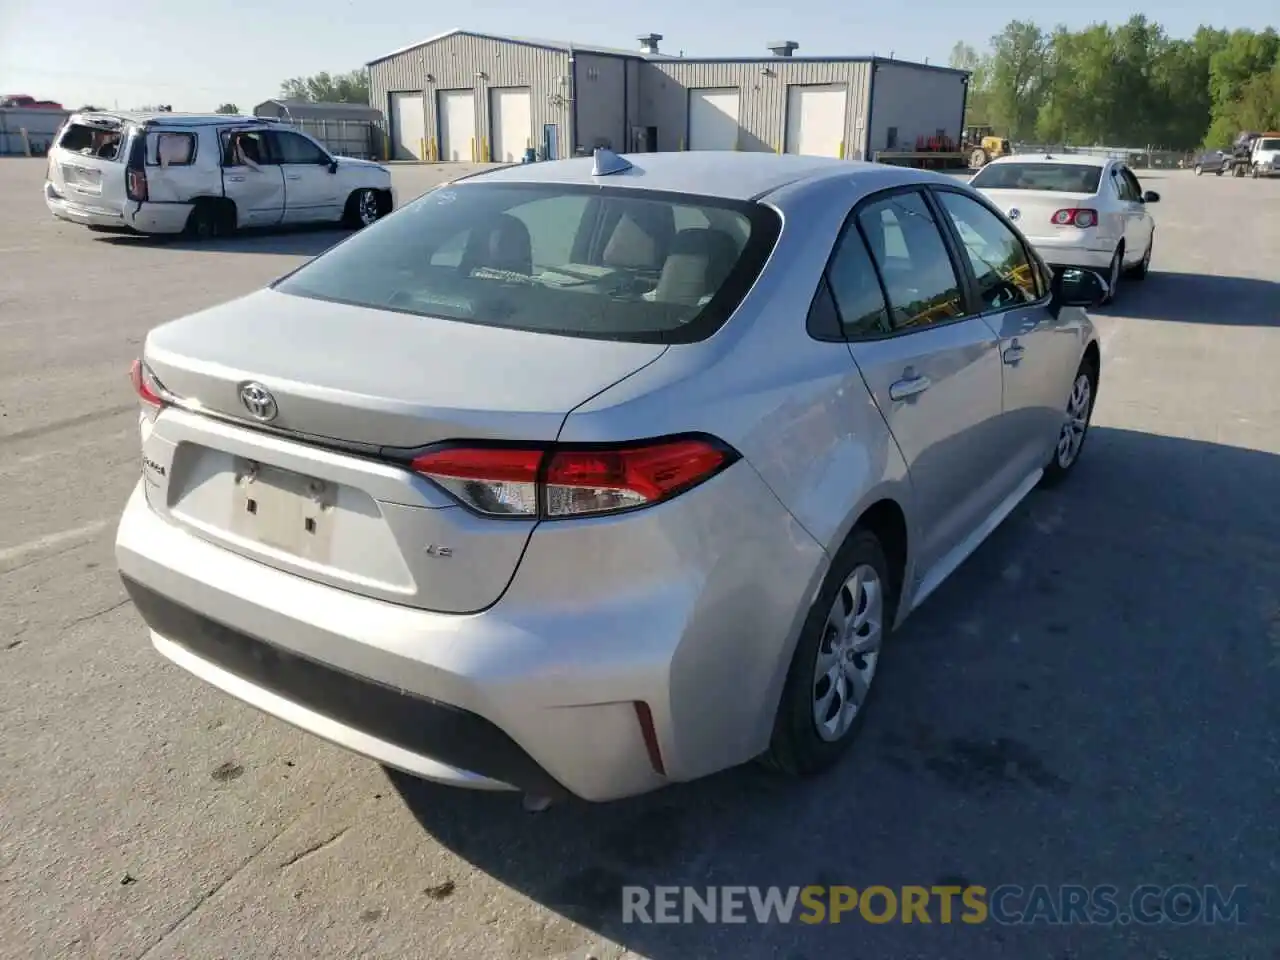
<point x="1093" y="699"/>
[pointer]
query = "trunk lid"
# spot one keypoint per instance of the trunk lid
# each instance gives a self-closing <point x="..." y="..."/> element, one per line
<point x="1035" y="209"/>
<point x="383" y="378"/>
<point x="376" y="383"/>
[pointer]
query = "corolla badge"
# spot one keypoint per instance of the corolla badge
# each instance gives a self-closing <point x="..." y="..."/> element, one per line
<point x="258" y="400"/>
<point x="1015" y="214"/>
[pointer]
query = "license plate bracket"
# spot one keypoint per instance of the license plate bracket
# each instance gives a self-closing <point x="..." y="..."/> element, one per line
<point x="283" y="510"/>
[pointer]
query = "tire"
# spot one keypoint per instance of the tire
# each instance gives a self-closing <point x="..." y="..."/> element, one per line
<point x="1140" y="269"/>
<point x="978" y="159"/>
<point x="364" y="207"/>
<point x="1114" y="273"/>
<point x="207" y="221"/>
<point x="1078" y="415"/>
<point x="798" y="746"/>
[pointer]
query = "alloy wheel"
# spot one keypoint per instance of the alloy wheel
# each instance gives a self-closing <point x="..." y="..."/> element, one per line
<point x="1076" y="422"/>
<point x="848" y="652"/>
<point x="367" y="207"/>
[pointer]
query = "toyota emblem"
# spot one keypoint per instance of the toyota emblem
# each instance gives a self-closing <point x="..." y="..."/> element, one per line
<point x="1015" y="213"/>
<point x="258" y="400"/>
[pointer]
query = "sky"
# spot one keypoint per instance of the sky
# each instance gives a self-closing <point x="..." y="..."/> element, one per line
<point x="197" y="55"/>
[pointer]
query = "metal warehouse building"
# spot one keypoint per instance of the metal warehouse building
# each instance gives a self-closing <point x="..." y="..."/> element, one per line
<point x="466" y="96"/>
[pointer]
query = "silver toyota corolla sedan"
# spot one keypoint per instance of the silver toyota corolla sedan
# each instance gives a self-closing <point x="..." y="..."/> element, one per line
<point x="584" y="477"/>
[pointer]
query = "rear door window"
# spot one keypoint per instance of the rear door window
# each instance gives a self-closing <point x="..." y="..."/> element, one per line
<point x="609" y="263"/>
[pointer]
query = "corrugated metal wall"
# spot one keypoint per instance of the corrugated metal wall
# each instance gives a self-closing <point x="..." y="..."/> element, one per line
<point x="41" y="127"/>
<point x="601" y="95"/>
<point x="615" y="95"/>
<point x="665" y="86"/>
<point x="453" y="63"/>
<point x="919" y="102"/>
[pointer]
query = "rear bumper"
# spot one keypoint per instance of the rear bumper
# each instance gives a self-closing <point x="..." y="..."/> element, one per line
<point x="1082" y="254"/>
<point x="540" y="692"/>
<point x="142" y="217"/>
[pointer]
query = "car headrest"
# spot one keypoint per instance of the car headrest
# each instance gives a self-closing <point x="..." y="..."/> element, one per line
<point x="641" y="238"/>
<point x="699" y="263"/>
<point x="503" y="244"/>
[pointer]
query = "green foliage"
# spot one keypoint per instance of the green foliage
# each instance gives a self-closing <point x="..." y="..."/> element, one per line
<point x="350" y="87"/>
<point x="1130" y="84"/>
<point x="228" y="108"/>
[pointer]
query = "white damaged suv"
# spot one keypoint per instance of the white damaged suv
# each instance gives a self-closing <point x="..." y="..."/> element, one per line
<point x="205" y="175"/>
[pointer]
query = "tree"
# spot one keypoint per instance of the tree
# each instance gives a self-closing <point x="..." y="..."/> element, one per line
<point x="350" y="87"/>
<point x="1126" y="85"/>
<point x="1019" y="56"/>
<point x="977" y="106"/>
<point x="229" y="108"/>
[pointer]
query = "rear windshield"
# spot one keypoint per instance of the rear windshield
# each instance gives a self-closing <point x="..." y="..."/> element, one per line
<point x="92" y="140"/>
<point x="1052" y="177"/>
<point x="1270" y="143"/>
<point x="587" y="261"/>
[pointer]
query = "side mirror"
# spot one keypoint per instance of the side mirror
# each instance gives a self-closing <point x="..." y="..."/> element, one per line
<point x="1151" y="197"/>
<point x="333" y="165"/>
<point x="1079" y="288"/>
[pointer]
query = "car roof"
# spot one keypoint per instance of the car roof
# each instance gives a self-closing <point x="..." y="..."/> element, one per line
<point x="165" y="118"/>
<point x="1079" y="159"/>
<point x="729" y="175"/>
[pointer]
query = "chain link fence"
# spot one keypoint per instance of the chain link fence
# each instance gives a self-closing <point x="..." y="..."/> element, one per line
<point x="1140" y="158"/>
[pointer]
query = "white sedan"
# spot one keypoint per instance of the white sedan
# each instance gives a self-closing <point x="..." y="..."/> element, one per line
<point x="1078" y="211"/>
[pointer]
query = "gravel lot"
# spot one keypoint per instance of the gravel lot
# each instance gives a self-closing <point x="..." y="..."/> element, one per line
<point x="1094" y="698"/>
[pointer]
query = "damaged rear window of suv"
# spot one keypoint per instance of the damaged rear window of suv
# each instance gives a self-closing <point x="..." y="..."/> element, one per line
<point x="586" y="261"/>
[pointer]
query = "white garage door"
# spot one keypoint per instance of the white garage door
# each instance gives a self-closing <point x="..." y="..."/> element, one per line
<point x="713" y="119"/>
<point x="510" y="123"/>
<point x="815" y="119"/>
<point x="457" y="125"/>
<point x="409" y="126"/>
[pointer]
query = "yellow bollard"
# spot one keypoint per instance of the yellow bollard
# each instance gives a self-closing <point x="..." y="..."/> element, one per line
<point x="473" y="149"/>
<point x="841" y="152"/>
<point x="434" y="153"/>
<point x="484" y="150"/>
<point x="422" y="148"/>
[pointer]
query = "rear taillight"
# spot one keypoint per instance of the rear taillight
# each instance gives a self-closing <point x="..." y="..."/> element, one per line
<point x="145" y="383"/>
<point x="136" y="183"/>
<point x="567" y="481"/>
<point x="1081" y="217"/>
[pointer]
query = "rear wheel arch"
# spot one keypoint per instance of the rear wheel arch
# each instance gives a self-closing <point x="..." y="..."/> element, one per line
<point x="886" y="519"/>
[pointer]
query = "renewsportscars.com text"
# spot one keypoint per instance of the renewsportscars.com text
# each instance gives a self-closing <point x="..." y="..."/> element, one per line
<point x="1007" y="904"/>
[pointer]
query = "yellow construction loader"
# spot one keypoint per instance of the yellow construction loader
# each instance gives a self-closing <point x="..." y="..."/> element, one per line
<point x="982" y="146"/>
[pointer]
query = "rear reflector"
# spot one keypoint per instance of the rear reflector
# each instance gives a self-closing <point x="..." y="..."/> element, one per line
<point x="560" y="481"/>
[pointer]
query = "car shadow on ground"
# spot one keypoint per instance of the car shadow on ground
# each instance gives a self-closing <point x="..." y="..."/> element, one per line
<point x="1090" y="699"/>
<point x="1199" y="298"/>
<point x="303" y="241"/>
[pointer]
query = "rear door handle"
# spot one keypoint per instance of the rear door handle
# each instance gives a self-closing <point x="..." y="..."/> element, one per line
<point x="908" y="388"/>
<point x="1014" y="353"/>
<point x="293" y="176"/>
<point x="236" y="179"/>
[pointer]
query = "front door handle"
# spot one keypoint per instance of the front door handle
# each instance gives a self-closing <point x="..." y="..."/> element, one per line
<point x="1013" y="353"/>
<point x="909" y="387"/>
<point x="236" y="179"/>
<point x="294" y="176"/>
